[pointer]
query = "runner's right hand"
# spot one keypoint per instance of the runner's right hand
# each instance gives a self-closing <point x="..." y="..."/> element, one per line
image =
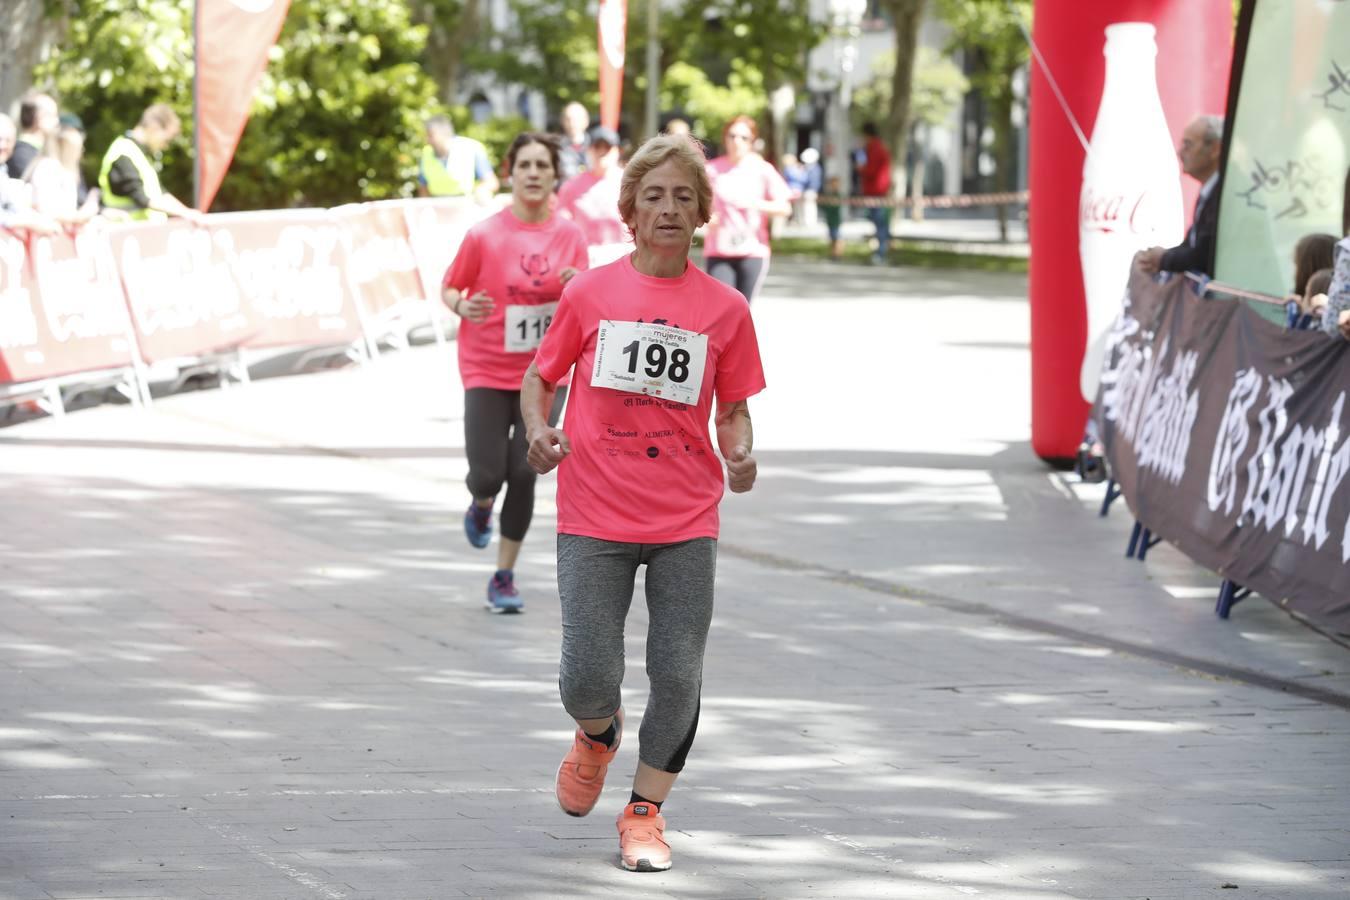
<point x="547" y="449"/>
<point x="477" y="308"/>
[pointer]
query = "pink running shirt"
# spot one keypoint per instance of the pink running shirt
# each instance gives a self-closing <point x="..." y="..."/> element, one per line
<point x="593" y="203"/>
<point x="642" y="469"/>
<point x="741" y="229"/>
<point x="517" y="264"/>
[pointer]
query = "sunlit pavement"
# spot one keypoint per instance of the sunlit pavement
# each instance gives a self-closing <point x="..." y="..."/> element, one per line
<point x="244" y="652"/>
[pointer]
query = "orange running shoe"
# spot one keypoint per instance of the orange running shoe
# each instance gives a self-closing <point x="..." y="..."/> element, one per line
<point x="642" y="841"/>
<point x="582" y="773"/>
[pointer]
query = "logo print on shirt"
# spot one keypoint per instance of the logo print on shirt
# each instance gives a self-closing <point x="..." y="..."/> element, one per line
<point x="653" y="453"/>
<point x="536" y="266"/>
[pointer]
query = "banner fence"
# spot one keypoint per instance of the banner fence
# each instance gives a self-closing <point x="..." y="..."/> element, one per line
<point x="131" y="296"/>
<point x="1229" y="437"/>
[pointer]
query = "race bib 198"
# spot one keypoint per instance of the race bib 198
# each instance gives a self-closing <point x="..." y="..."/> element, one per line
<point x="525" y="326"/>
<point x="656" y="360"/>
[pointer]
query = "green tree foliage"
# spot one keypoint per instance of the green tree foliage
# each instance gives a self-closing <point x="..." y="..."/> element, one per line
<point x="453" y="30"/>
<point x="939" y="88"/>
<point x="992" y="36"/>
<point x="745" y="47"/>
<point x="551" y="48"/>
<point x="716" y="58"/>
<point x="337" y="116"/>
<point x="339" y="112"/>
<point x="117" y="58"/>
<point x="708" y="106"/>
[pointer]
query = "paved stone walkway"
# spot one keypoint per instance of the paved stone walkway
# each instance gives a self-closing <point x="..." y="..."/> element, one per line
<point x="243" y="652"/>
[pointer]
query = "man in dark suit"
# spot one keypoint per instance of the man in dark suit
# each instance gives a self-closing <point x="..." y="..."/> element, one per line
<point x="1201" y="146"/>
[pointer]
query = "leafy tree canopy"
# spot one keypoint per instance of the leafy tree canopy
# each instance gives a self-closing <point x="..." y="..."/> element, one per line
<point x="337" y="116"/>
<point x="994" y="32"/>
<point x="939" y="88"/>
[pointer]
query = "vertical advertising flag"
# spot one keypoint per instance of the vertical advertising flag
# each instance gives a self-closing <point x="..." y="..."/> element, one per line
<point x="613" y="22"/>
<point x="232" y="42"/>
<point x="1289" y="146"/>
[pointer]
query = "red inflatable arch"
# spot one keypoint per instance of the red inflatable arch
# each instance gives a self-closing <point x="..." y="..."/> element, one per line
<point x="1194" y="40"/>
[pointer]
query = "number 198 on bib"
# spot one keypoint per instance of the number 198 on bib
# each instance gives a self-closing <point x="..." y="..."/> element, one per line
<point x="657" y="360"/>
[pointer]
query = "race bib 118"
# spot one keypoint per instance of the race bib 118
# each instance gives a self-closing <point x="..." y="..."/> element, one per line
<point x="525" y="326"/>
<point x="656" y="360"/>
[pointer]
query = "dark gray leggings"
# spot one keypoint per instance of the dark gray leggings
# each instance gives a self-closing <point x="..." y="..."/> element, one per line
<point x="744" y="273"/>
<point x="595" y="584"/>
<point x="494" y="442"/>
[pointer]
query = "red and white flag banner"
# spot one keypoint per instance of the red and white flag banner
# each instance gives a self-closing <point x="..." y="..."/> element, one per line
<point x="233" y="40"/>
<point x="613" y="23"/>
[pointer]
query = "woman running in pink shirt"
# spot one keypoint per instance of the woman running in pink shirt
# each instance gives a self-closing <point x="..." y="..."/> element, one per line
<point x="653" y="340"/>
<point x="747" y="192"/>
<point x="504" y="284"/>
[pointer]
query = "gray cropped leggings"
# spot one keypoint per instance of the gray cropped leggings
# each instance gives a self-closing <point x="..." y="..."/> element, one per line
<point x="595" y="583"/>
<point x="494" y="442"/>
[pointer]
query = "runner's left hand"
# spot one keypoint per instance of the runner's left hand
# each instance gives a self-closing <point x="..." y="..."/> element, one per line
<point x="741" y="470"/>
<point x="567" y="274"/>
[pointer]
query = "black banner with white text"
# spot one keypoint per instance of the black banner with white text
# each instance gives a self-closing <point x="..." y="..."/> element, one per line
<point x="1230" y="438"/>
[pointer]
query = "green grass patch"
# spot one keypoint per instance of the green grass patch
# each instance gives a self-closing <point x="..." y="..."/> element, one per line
<point x="925" y="254"/>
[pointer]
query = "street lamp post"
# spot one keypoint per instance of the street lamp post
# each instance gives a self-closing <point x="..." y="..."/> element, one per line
<point x="846" y="21"/>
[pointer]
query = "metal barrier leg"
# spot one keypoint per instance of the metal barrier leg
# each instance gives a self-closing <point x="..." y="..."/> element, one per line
<point x="1112" y="492"/>
<point x="1147" y="543"/>
<point x="1134" y="540"/>
<point x="1230" y="594"/>
<point x="52" y="403"/>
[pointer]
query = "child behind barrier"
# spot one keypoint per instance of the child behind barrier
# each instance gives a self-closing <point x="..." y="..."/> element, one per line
<point x="1315" y="297"/>
<point x="1306" y="312"/>
<point x="1312" y="253"/>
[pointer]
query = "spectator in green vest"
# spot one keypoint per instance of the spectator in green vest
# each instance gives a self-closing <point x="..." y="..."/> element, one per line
<point x="454" y="166"/>
<point x="130" y="181"/>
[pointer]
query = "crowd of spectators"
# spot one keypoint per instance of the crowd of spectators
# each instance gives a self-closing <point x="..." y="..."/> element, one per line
<point x="1321" y="291"/>
<point x="43" y="190"/>
<point x="42" y="185"/>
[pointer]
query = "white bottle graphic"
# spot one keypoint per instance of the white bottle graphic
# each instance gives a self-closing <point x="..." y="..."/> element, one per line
<point x="1131" y="197"/>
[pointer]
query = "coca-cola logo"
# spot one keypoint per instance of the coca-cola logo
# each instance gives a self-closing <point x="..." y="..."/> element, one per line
<point x="1116" y="212"/>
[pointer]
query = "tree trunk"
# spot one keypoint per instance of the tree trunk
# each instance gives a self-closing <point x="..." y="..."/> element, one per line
<point x="1000" y="109"/>
<point x="447" y="36"/>
<point x="25" y="35"/>
<point x="920" y="170"/>
<point x="906" y="15"/>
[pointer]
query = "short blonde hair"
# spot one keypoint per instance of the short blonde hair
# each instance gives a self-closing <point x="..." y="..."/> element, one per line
<point x="656" y="151"/>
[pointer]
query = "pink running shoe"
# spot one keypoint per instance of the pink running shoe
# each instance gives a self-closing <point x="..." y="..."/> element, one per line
<point x="582" y="773"/>
<point x="642" y="841"/>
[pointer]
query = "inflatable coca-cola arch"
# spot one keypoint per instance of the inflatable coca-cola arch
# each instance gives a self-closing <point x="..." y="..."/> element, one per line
<point x="1193" y="40"/>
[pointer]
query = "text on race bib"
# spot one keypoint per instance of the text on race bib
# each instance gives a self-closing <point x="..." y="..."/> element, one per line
<point x="657" y="360"/>
<point x="526" y="326"/>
